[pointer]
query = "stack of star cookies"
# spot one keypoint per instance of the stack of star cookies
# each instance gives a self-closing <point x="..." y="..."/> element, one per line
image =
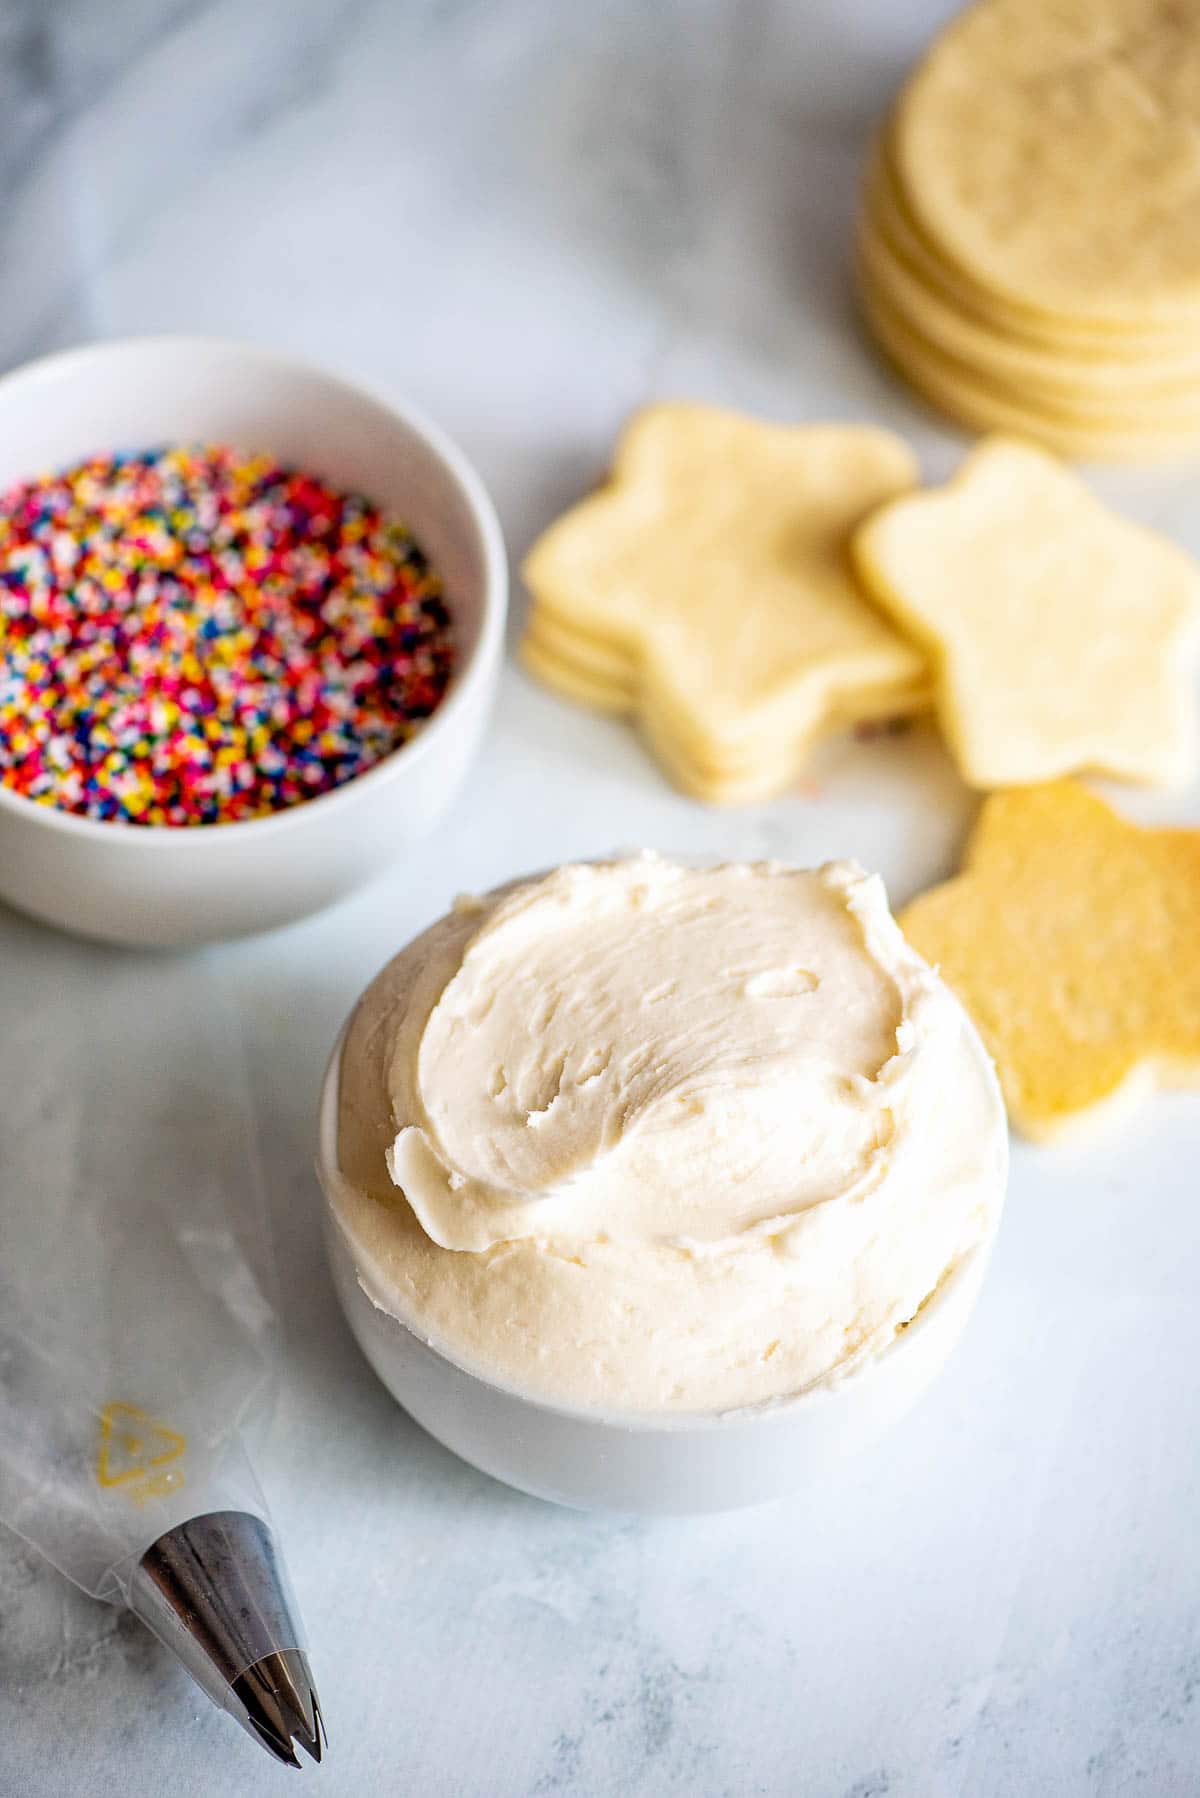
<point x="707" y="591"/>
<point x="1029" y="245"/>
<point x="742" y="589"/>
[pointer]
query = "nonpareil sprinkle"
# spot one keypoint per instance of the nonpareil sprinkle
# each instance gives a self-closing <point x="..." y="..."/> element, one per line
<point x="195" y="636"/>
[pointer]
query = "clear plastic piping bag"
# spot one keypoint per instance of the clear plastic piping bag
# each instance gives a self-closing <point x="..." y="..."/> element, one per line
<point x="137" y="1331"/>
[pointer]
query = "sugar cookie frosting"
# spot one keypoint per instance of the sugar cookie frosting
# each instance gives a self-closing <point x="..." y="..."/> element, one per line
<point x="657" y="1137"/>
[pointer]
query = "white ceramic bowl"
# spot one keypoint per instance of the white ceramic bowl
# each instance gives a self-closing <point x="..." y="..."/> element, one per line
<point x="599" y="1460"/>
<point x="134" y="884"/>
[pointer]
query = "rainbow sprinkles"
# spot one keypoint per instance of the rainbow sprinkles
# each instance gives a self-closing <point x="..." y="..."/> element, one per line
<point x="195" y="636"/>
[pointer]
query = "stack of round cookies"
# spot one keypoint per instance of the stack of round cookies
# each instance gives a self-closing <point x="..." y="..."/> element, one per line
<point x="1029" y="247"/>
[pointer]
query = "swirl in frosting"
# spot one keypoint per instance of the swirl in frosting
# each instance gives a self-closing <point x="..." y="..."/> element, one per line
<point x="651" y="1136"/>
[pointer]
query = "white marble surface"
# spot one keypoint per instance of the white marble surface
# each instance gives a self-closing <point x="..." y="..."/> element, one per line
<point x="527" y="217"/>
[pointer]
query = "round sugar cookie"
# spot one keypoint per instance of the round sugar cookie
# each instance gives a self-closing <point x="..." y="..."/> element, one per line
<point x="1055" y="377"/>
<point x="892" y="219"/>
<point x="1135" y="414"/>
<point x="1050" y="152"/>
<point x="986" y="407"/>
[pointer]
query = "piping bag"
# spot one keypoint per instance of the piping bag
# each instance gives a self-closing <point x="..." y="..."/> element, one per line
<point x="138" y="1337"/>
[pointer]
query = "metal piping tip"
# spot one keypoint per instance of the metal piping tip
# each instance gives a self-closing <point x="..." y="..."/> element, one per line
<point x="316" y="1748"/>
<point x="214" y="1590"/>
<point x="280" y="1702"/>
<point x="265" y="1730"/>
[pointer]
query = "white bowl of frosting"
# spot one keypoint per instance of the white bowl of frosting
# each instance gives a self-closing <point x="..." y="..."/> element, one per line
<point x="656" y="1187"/>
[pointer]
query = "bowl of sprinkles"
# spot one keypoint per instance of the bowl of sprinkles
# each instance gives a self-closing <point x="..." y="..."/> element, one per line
<point x="250" y="628"/>
<point x="197" y="636"/>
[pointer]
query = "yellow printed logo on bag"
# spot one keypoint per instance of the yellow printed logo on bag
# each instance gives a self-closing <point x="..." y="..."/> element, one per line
<point x="138" y="1453"/>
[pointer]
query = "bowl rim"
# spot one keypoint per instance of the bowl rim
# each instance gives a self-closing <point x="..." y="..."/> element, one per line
<point x="469" y="675"/>
<point x="970" y="1266"/>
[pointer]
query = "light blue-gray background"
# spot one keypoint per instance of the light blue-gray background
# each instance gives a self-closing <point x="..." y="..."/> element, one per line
<point x="528" y="217"/>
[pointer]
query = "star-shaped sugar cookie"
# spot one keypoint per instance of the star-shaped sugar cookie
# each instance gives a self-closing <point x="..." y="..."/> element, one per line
<point x="1073" y="939"/>
<point x="1062" y="637"/>
<point x="707" y="589"/>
